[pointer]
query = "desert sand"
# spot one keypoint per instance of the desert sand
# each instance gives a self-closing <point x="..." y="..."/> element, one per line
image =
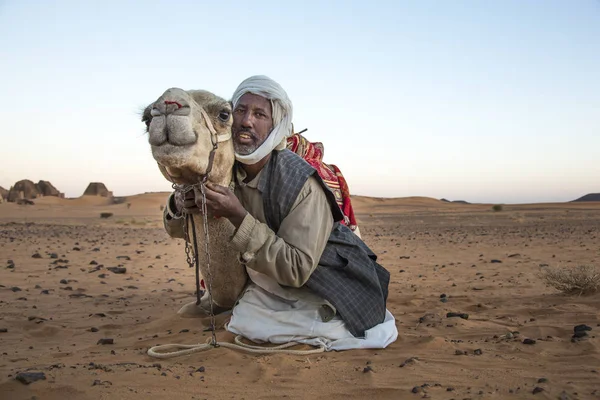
<point x="58" y="299"/>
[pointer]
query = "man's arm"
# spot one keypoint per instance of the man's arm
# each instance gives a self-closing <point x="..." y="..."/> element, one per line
<point x="173" y="224"/>
<point x="291" y="255"/>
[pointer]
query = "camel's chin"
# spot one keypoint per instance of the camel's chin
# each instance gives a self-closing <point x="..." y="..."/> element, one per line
<point x="172" y="156"/>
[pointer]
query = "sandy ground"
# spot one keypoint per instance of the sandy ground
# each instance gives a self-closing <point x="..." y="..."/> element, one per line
<point x="55" y="308"/>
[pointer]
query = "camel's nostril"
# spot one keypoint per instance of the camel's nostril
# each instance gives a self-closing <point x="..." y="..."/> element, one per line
<point x="167" y="102"/>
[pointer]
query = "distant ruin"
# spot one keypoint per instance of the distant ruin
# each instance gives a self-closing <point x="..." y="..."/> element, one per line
<point x="27" y="190"/>
<point x="97" y="189"/>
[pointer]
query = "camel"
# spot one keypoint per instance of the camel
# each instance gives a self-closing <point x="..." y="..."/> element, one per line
<point x="183" y="127"/>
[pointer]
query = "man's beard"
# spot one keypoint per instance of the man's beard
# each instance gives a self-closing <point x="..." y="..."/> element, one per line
<point x="245" y="149"/>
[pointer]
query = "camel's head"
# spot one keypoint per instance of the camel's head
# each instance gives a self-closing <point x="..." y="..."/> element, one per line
<point x="182" y="128"/>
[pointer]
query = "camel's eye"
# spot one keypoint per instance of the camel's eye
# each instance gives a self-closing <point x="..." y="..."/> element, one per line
<point x="224" y="116"/>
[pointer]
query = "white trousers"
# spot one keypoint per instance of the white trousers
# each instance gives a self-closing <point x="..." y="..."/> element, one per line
<point x="264" y="317"/>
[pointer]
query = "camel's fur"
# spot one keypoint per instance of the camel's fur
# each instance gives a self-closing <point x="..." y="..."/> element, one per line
<point x="181" y="144"/>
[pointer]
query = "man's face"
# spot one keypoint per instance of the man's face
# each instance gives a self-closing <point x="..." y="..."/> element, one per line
<point x="252" y="123"/>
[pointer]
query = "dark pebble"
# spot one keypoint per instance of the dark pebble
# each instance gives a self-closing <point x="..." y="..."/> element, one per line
<point x="456" y="314"/>
<point x="478" y="352"/>
<point x="201" y="369"/>
<point x="579" y="334"/>
<point x="63" y="281"/>
<point x="94" y="329"/>
<point x="442" y="295"/>
<point x="528" y="341"/>
<point x="542" y="380"/>
<point x="537" y="390"/>
<point x="117" y="270"/>
<point x="416" y="389"/>
<point x="496" y="262"/>
<point x="29" y="377"/>
<point x="3" y="330"/>
<point x="45" y="291"/>
<point x="15" y="289"/>
<point x="367" y="369"/>
<point x="106" y="341"/>
<point x="581" y="328"/>
<point x="36" y="255"/>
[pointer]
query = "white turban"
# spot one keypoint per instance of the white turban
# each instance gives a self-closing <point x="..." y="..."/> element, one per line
<point x="282" y="111"/>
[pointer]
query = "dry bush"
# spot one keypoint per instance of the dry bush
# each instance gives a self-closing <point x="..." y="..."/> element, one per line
<point x="581" y="280"/>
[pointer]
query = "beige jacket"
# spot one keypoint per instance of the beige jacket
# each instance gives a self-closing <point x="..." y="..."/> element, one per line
<point x="289" y="256"/>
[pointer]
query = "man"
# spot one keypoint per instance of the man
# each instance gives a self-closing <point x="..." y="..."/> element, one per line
<point x="310" y="276"/>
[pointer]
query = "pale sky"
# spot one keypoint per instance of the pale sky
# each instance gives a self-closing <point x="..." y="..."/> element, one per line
<point x="486" y="101"/>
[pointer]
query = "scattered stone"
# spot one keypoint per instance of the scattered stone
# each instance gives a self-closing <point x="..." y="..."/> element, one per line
<point x="15" y="289"/>
<point x="106" y="341"/>
<point x="93" y="329"/>
<point x="3" y="330"/>
<point x="45" y="291"/>
<point x="367" y="369"/>
<point x="456" y="314"/>
<point x="201" y="369"/>
<point x="537" y="390"/>
<point x="509" y="335"/>
<point x="123" y="258"/>
<point x="581" y="328"/>
<point x="542" y="380"/>
<point x="478" y="352"/>
<point x="528" y="341"/>
<point x="29" y="377"/>
<point x="117" y="270"/>
<point x="460" y="352"/>
<point x="409" y="361"/>
<point x="496" y="261"/>
<point x="416" y="389"/>
<point x="36" y="255"/>
<point x="63" y="281"/>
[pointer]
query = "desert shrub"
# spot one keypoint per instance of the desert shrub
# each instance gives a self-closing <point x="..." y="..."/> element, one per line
<point x="106" y="215"/>
<point x="497" y="207"/>
<point x="581" y="280"/>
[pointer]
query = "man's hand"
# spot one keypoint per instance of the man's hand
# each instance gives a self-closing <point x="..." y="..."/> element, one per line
<point x="186" y="202"/>
<point x="221" y="202"/>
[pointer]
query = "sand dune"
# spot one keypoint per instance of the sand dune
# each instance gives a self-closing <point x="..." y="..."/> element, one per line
<point x="443" y="257"/>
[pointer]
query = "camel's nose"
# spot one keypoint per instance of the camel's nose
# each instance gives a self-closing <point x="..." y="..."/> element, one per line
<point x="172" y="100"/>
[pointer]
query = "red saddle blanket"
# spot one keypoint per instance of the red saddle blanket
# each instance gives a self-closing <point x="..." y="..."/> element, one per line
<point x="331" y="174"/>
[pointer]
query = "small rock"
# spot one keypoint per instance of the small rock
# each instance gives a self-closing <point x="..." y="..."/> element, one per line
<point x="456" y="314"/>
<point x="63" y="281"/>
<point x="542" y="380"/>
<point x="45" y="291"/>
<point x="36" y="255"/>
<point x="201" y="369"/>
<point x="15" y="289"/>
<point x="106" y="341"/>
<point x="117" y="270"/>
<point x="528" y="341"/>
<point x="478" y="352"/>
<point x="93" y="329"/>
<point x="29" y="377"/>
<point x="496" y="261"/>
<point x="537" y="390"/>
<point x="580" y="334"/>
<point x="416" y="389"/>
<point x="367" y="369"/>
<point x="3" y="330"/>
<point x="581" y="328"/>
<point x="408" y="361"/>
